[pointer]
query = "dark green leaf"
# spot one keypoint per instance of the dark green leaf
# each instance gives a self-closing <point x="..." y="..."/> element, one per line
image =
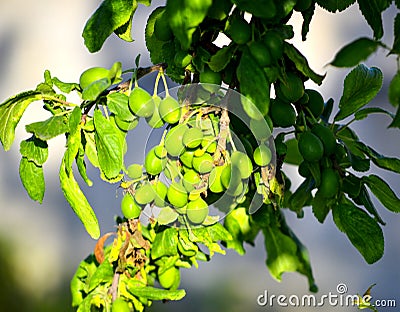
<point x="396" y="39"/>
<point x="34" y="150"/>
<point x="32" y="179"/>
<point x="117" y="103"/>
<point x="351" y="185"/>
<point x="388" y="163"/>
<point x="365" y="200"/>
<point x="257" y="88"/>
<point x="396" y="120"/>
<point x="222" y="58"/>
<point x="372" y="11"/>
<point x="111" y="15"/>
<point x="65" y="87"/>
<point x="301" y="196"/>
<point x="397" y="2"/>
<point x="307" y="17"/>
<point x="301" y="63"/>
<point x="109" y="145"/>
<point x="11" y="112"/>
<point x="320" y="207"/>
<point x="335" y="5"/>
<point x="355" y="52"/>
<point x="145" y="2"/>
<point x="152" y="293"/>
<point x="78" y="202"/>
<point x="184" y="17"/>
<point x="363" y="231"/>
<point x="49" y="128"/>
<point x="92" y="92"/>
<point x="165" y="243"/>
<point x="153" y="44"/>
<point x="383" y="192"/>
<point x="262" y="8"/>
<point x="293" y="155"/>
<point x="359" y="164"/>
<point x="394" y="90"/>
<point x="363" y="113"/>
<point x="360" y="86"/>
<point x="218" y="232"/>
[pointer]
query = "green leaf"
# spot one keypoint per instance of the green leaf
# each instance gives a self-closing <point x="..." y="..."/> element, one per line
<point x="103" y="274"/>
<point x="281" y="252"/>
<point x="184" y="17"/>
<point x="95" y="89"/>
<point x="335" y="5"/>
<point x="78" y="202"/>
<point x="117" y="103"/>
<point x="80" y="162"/>
<point x="372" y="12"/>
<point x="32" y="179"/>
<point x="167" y="215"/>
<point x="361" y="85"/>
<point x="66" y="87"/>
<point x="125" y="31"/>
<point x="301" y="196"/>
<point x="152" y="293"/>
<point x="153" y="44"/>
<point x="144" y="2"/>
<point x="301" y="63"/>
<point x="11" y="112"/>
<point x="363" y="113"/>
<point x="109" y="145"/>
<point x="363" y="231"/>
<point x="396" y="120"/>
<point x="307" y="17"/>
<point x="90" y="148"/>
<point x="165" y="243"/>
<point x="394" y="90"/>
<point x="49" y="128"/>
<point x="74" y="138"/>
<point x="384" y="162"/>
<point x="222" y="58"/>
<point x="262" y="8"/>
<point x="257" y="88"/>
<point x="111" y="15"/>
<point x="293" y="155"/>
<point x="396" y="39"/>
<point x="383" y="192"/>
<point x="355" y="52"/>
<point x="364" y="199"/>
<point x="34" y="150"/>
<point x="320" y="207"/>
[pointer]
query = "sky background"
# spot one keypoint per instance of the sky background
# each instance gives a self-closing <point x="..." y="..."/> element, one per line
<point x="45" y="243"/>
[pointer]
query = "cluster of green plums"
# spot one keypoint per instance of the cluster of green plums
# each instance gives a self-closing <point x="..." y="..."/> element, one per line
<point x="189" y="163"/>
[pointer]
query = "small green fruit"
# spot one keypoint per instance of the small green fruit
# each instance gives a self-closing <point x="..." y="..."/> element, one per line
<point x="329" y="183"/>
<point x="209" y="76"/>
<point x="120" y="305"/>
<point x="310" y="147"/>
<point x="327" y="138"/>
<point x="177" y="195"/>
<point x="170" y="278"/>
<point x="160" y="190"/>
<point x="155" y="120"/>
<point x="203" y="164"/>
<point x="169" y="110"/>
<point x="292" y="89"/>
<point x="126" y="125"/>
<point x="282" y="113"/>
<point x="197" y="211"/>
<point x="262" y="155"/>
<point x="242" y="162"/>
<point x="141" y="103"/>
<point x="275" y="45"/>
<point x="192" y="137"/>
<point x="91" y="75"/>
<point x="214" y="180"/>
<point x="135" y="171"/>
<point x="129" y="208"/>
<point x="153" y="164"/>
<point x="174" y="138"/>
<point x="315" y="102"/>
<point x="260" y="52"/>
<point x="144" y="194"/>
<point x="239" y="30"/>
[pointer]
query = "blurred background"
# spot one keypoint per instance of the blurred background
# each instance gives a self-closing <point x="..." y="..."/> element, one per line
<point x="42" y="245"/>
